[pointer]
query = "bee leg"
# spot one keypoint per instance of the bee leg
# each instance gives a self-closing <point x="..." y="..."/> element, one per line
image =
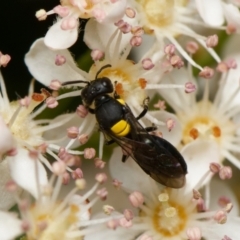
<point x="124" y="158"/>
<point x="145" y="108"/>
<point x="116" y="96"/>
<point x="151" y="129"/>
<point x="92" y="111"/>
<point x="109" y="142"/>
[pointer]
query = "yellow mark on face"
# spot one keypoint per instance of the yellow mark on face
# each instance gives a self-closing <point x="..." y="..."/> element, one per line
<point x="121" y="101"/>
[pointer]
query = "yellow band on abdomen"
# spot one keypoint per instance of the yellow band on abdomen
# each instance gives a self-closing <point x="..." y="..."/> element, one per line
<point x="121" y="128"/>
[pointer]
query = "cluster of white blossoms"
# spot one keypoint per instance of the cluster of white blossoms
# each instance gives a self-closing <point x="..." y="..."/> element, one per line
<point x="147" y="48"/>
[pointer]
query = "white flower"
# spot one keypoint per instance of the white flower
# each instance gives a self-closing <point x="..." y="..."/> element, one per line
<point x="215" y="12"/>
<point x="208" y="131"/>
<point x="51" y="217"/>
<point x="22" y="136"/>
<point x="64" y="32"/>
<point x="164" y="20"/>
<point x="175" y="214"/>
<point x="130" y="79"/>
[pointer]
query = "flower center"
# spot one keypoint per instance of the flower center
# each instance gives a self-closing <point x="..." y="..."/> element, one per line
<point x="169" y="218"/>
<point x="158" y="13"/>
<point x="45" y="224"/>
<point x="208" y="124"/>
<point x="125" y="79"/>
<point x="19" y="122"/>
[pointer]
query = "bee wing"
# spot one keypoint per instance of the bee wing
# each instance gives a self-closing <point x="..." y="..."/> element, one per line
<point x="156" y="156"/>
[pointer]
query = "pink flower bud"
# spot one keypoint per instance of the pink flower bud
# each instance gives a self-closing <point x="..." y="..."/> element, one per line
<point x="97" y="54"/>
<point x="170" y="49"/>
<point x="128" y="214"/>
<point x="212" y="41"/>
<point x="147" y="64"/>
<point x="58" y="168"/>
<point x="55" y="84"/>
<point x="113" y="224"/>
<point x="69" y="23"/>
<point x="89" y="153"/>
<point x="51" y="102"/>
<point x="170" y="124"/>
<point x="207" y="72"/>
<point x="102" y="193"/>
<point x="222" y="67"/>
<point x="214" y="167"/>
<point x="196" y="194"/>
<point x="225" y="173"/>
<point x="83" y="138"/>
<point x="66" y="178"/>
<point x="108" y="209"/>
<point x="4" y="59"/>
<point x="41" y="15"/>
<point x="101" y="177"/>
<point x="130" y="12"/>
<point x="220" y="217"/>
<point x="25" y="102"/>
<point x="136" y="198"/>
<point x="82" y="111"/>
<point x="77" y="174"/>
<point x="194" y="233"/>
<point x="123" y="222"/>
<point x="117" y="184"/>
<point x="60" y="60"/>
<point x="190" y="87"/>
<point x="136" y="41"/>
<point x="231" y="63"/>
<point x="72" y="132"/>
<point x="137" y="31"/>
<point x="192" y="47"/>
<point x="176" y="61"/>
<point x="99" y="163"/>
<point x="61" y="11"/>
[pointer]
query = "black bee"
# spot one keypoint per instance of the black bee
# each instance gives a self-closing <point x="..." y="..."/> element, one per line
<point x="156" y="156"/>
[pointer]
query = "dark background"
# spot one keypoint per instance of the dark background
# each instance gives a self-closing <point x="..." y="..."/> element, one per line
<point x="19" y="28"/>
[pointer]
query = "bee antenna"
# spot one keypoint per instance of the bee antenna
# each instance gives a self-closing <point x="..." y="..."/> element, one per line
<point x="74" y="82"/>
<point x="103" y="67"/>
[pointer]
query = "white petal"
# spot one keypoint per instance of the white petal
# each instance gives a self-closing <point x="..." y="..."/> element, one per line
<point x="10" y="226"/>
<point x="198" y="155"/>
<point x="173" y="136"/>
<point x="219" y="188"/>
<point x="211" y="11"/>
<point x="230" y="87"/>
<point x="177" y="98"/>
<point x="6" y="140"/>
<point x="115" y="11"/>
<point x="40" y="61"/>
<point x="7" y="199"/>
<point x="129" y="173"/>
<point x="97" y="36"/>
<point x="83" y="214"/>
<point x="86" y="126"/>
<point x="22" y="169"/>
<point x="57" y="38"/>
<point x="217" y="231"/>
<point x="106" y="233"/>
<point x="232" y="15"/>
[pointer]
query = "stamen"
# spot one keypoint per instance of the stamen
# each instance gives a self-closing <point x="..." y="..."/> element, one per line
<point x="194" y="133"/>
<point x="60" y="60"/>
<point x="212" y="41"/>
<point x="216" y="131"/>
<point x="170" y="212"/>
